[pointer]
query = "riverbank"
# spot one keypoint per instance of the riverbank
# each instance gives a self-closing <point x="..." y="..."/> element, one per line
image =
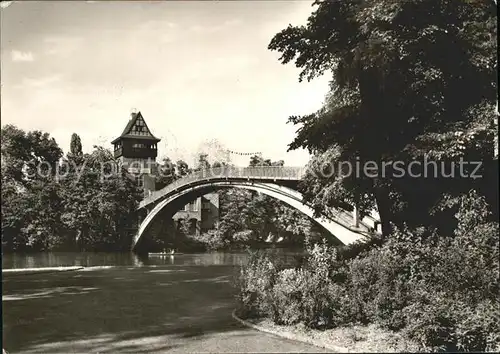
<point x="355" y="339"/>
<point x="40" y="270"/>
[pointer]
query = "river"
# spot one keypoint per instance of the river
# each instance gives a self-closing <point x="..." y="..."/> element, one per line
<point x="89" y="259"/>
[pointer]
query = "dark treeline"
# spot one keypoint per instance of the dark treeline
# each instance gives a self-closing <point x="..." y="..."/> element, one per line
<point x="84" y="202"/>
<point x="56" y="202"/>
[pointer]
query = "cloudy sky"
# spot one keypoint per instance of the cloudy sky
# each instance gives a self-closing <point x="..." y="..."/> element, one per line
<point x="198" y="71"/>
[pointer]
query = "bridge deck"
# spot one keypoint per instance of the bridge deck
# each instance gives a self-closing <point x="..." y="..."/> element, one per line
<point x="277" y="173"/>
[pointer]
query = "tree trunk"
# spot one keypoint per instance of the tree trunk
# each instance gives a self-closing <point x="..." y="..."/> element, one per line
<point x="355" y="216"/>
<point x="384" y="207"/>
<point x="83" y="237"/>
<point x="372" y="106"/>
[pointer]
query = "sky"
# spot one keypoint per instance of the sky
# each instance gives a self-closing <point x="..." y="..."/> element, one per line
<point x="199" y="72"/>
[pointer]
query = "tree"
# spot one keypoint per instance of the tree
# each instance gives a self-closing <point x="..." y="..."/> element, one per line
<point x="89" y="208"/>
<point x="14" y="206"/>
<point x="14" y="152"/>
<point x="292" y="224"/>
<point x="247" y="217"/>
<point x="100" y="204"/>
<point x="75" y="156"/>
<point x="257" y="160"/>
<point x="408" y="78"/>
<point x="31" y="200"/>
<point x="166" y="173"/>
<point x="232" y="203"/>
<point x="203" y="163"/>
<point x="182" y="168"/>
<point x="76" y="145"/>
<point x="27" y="156"/>
<point x="185" y="226"/>
<point x="41" y="225"/>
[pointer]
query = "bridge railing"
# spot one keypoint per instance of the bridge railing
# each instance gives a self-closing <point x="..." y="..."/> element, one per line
<point x="261" y="172"/>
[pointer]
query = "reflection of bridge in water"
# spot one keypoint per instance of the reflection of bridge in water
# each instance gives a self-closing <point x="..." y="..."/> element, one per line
<point x="275" y="181"/>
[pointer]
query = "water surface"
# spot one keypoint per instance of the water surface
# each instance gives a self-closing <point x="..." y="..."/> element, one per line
<point x="87" y="259"/>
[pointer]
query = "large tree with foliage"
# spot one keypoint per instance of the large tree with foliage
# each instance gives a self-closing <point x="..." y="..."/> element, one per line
<point x="75" y="154"/>
<point x="182" y="168"/>
<point x="47" y="206"/>
<point x="30" y="194"/>
<point x="257" y="160"/>
<point x="167" y="173"/>
<point x="28" y="156"/>
<point x="409" y="78"/>
<point x="203" y="163"/>
<point x="100" y="203"/>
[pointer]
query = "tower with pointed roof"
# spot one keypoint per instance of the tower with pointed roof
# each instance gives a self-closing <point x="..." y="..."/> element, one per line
<point x="136" y="148"/>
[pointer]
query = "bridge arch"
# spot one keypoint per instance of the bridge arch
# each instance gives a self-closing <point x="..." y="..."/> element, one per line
<point x="339" y="227"/>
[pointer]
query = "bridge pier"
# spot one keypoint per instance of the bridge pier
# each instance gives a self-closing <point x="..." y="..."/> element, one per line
<point x="355" y="216"/>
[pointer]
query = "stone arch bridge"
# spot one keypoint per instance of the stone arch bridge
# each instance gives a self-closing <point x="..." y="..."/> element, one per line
<point x="275" y="181"/>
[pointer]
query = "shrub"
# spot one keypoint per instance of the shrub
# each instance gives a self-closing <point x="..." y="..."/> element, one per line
<point x="243" y="238"/>
<point x="321" y="297"/>
<point x="255" y="284"/>
<point x="477" y="328"/>
<point x="380" y="286"/>
<point x="362" y="279"/>
<point x="306" y="294"/>
<point x="309" y="294"/>
<point x="441" y="291"/>
<point x="444" y="324"/>
<point x="358" y="249"/>
<point x="212" y="240"/>
<point x="431" y="324"/>
<point x="457" y="305"/>
<point x="286" y="296"/>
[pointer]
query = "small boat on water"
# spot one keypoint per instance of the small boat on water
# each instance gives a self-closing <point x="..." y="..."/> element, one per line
<point x="169" y="253"/>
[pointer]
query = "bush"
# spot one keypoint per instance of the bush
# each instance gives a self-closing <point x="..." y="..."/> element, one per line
<point x="286" y="297"/>
<point x="212" y="240"/>
<point x="380" y="286"/>
<point x="477" y="328"/>
<point x="452" y="295"/>
<point x="323" y="296"/>
<point x="317" y="287"/>
<point x="305" y="294"/>
<point x="255" y="284"/>
<point x="358" y="249"/>
<point x="444" y="324"/>
<point x="441" y="291"/>
<point x="244" y="238"/>
<point x="431" y="324"/>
